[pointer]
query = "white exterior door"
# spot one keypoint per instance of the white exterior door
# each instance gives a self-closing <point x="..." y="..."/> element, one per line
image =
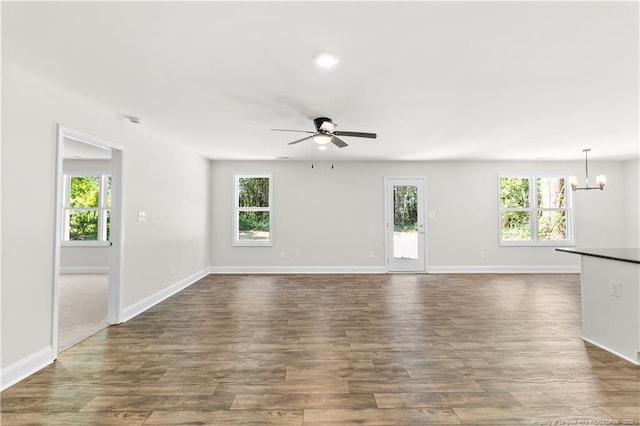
<point x="405" y="224"/>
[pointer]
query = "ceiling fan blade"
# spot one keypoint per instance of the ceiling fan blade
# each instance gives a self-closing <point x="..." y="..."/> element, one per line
<point x="289" y="130"/>
<point x="338" y="142"/>
<point x="356" y="134"/>
<point x="300" y="140"/>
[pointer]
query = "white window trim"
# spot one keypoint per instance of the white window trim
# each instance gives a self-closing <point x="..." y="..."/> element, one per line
<point x="234" y="232"/>
<point x="102" y="210"/>
<point x="533" y="210"/>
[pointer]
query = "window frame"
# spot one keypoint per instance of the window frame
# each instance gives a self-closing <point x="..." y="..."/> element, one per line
<point x="103" y="210"/>
<point x="534" y="209"/>
<point x="236" y="241"/>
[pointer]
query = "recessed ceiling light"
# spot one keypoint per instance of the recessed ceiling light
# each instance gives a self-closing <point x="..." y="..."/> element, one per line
<point x="326" y="60"/>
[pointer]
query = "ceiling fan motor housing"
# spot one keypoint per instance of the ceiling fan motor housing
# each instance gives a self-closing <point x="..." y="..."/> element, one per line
<point x="318" y="121"/>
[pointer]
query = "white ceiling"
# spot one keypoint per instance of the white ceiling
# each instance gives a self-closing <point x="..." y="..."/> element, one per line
<point x="435" y="80"/>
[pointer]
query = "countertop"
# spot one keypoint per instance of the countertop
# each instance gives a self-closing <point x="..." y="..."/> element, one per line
<point x="631" y="255"/>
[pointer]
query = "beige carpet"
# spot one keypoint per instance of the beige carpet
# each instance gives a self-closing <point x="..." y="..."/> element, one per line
<point x="83" y="307"/>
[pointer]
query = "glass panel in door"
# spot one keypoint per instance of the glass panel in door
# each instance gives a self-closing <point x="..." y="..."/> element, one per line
<point x="405" y="222"/>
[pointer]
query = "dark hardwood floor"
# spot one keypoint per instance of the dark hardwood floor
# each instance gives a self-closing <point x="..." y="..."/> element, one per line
<point x="341" y="349"/>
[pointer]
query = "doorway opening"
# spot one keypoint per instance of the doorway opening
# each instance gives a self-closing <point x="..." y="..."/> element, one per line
<point x="88" y="237"/>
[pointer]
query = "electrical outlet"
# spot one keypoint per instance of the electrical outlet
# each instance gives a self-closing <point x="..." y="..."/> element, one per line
<point x="372" y="255"/>
<point x="283" y="255"/>
<point x="482" y="255"/>
<point x="616" y="289"/>
<point x="172" y="270"/>
<point x="297" y="255"/>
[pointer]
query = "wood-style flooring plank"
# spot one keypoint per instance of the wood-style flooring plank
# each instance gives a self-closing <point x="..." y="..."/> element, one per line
<point x="73" y="418"/>
<point x="149" y="403"/>
<point x="227" y="417"/>
<point x="510" y="415"/>
<point x="303" y="401"/>
<point x="374" y="417"/>
<point x="445" y="399"/>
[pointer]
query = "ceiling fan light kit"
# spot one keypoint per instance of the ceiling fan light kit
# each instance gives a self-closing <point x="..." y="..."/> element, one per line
<point x="322" y="138"/>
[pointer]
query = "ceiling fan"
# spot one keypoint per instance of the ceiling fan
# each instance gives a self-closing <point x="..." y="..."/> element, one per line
<point x="325" y="133"/>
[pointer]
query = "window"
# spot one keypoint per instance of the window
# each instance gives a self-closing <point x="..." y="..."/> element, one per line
<point x="87" y="200"/>
<point x="535" y="210"/>
<point x="253" y="210"/>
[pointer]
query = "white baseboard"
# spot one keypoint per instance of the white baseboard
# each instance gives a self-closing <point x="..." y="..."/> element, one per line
<point x="502" y="269"/>
<point x="494" y="269"/>
<point x="141" y="306"/>
<point x="297" y="270"/>
<point x="625" y="357"/>
<point x="25" y="367"/>
<point x="84" y="269"/>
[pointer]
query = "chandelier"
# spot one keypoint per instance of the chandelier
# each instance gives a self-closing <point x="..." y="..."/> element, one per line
<point x="601" y="180"/>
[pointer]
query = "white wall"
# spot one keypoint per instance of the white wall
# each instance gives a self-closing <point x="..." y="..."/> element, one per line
<point x="333" y="219"/>
<point x="168" y="182"/>
<point x="632" y="185"/>
<point x="84" y="259"/>
<point x="86" y="166"/>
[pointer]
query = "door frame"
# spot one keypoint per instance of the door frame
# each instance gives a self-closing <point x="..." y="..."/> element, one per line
<point x="422" y="220"/>
<point x="114" y="298"/>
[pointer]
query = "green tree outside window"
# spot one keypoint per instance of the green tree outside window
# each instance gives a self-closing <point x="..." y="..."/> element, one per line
<point x="87" y="204"/>
<point x="534" y="209"/>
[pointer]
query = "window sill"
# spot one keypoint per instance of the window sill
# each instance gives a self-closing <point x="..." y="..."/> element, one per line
<point x="537" y="244"/>
<point x="252" y="244"/>
<point x="85" y="244"/>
